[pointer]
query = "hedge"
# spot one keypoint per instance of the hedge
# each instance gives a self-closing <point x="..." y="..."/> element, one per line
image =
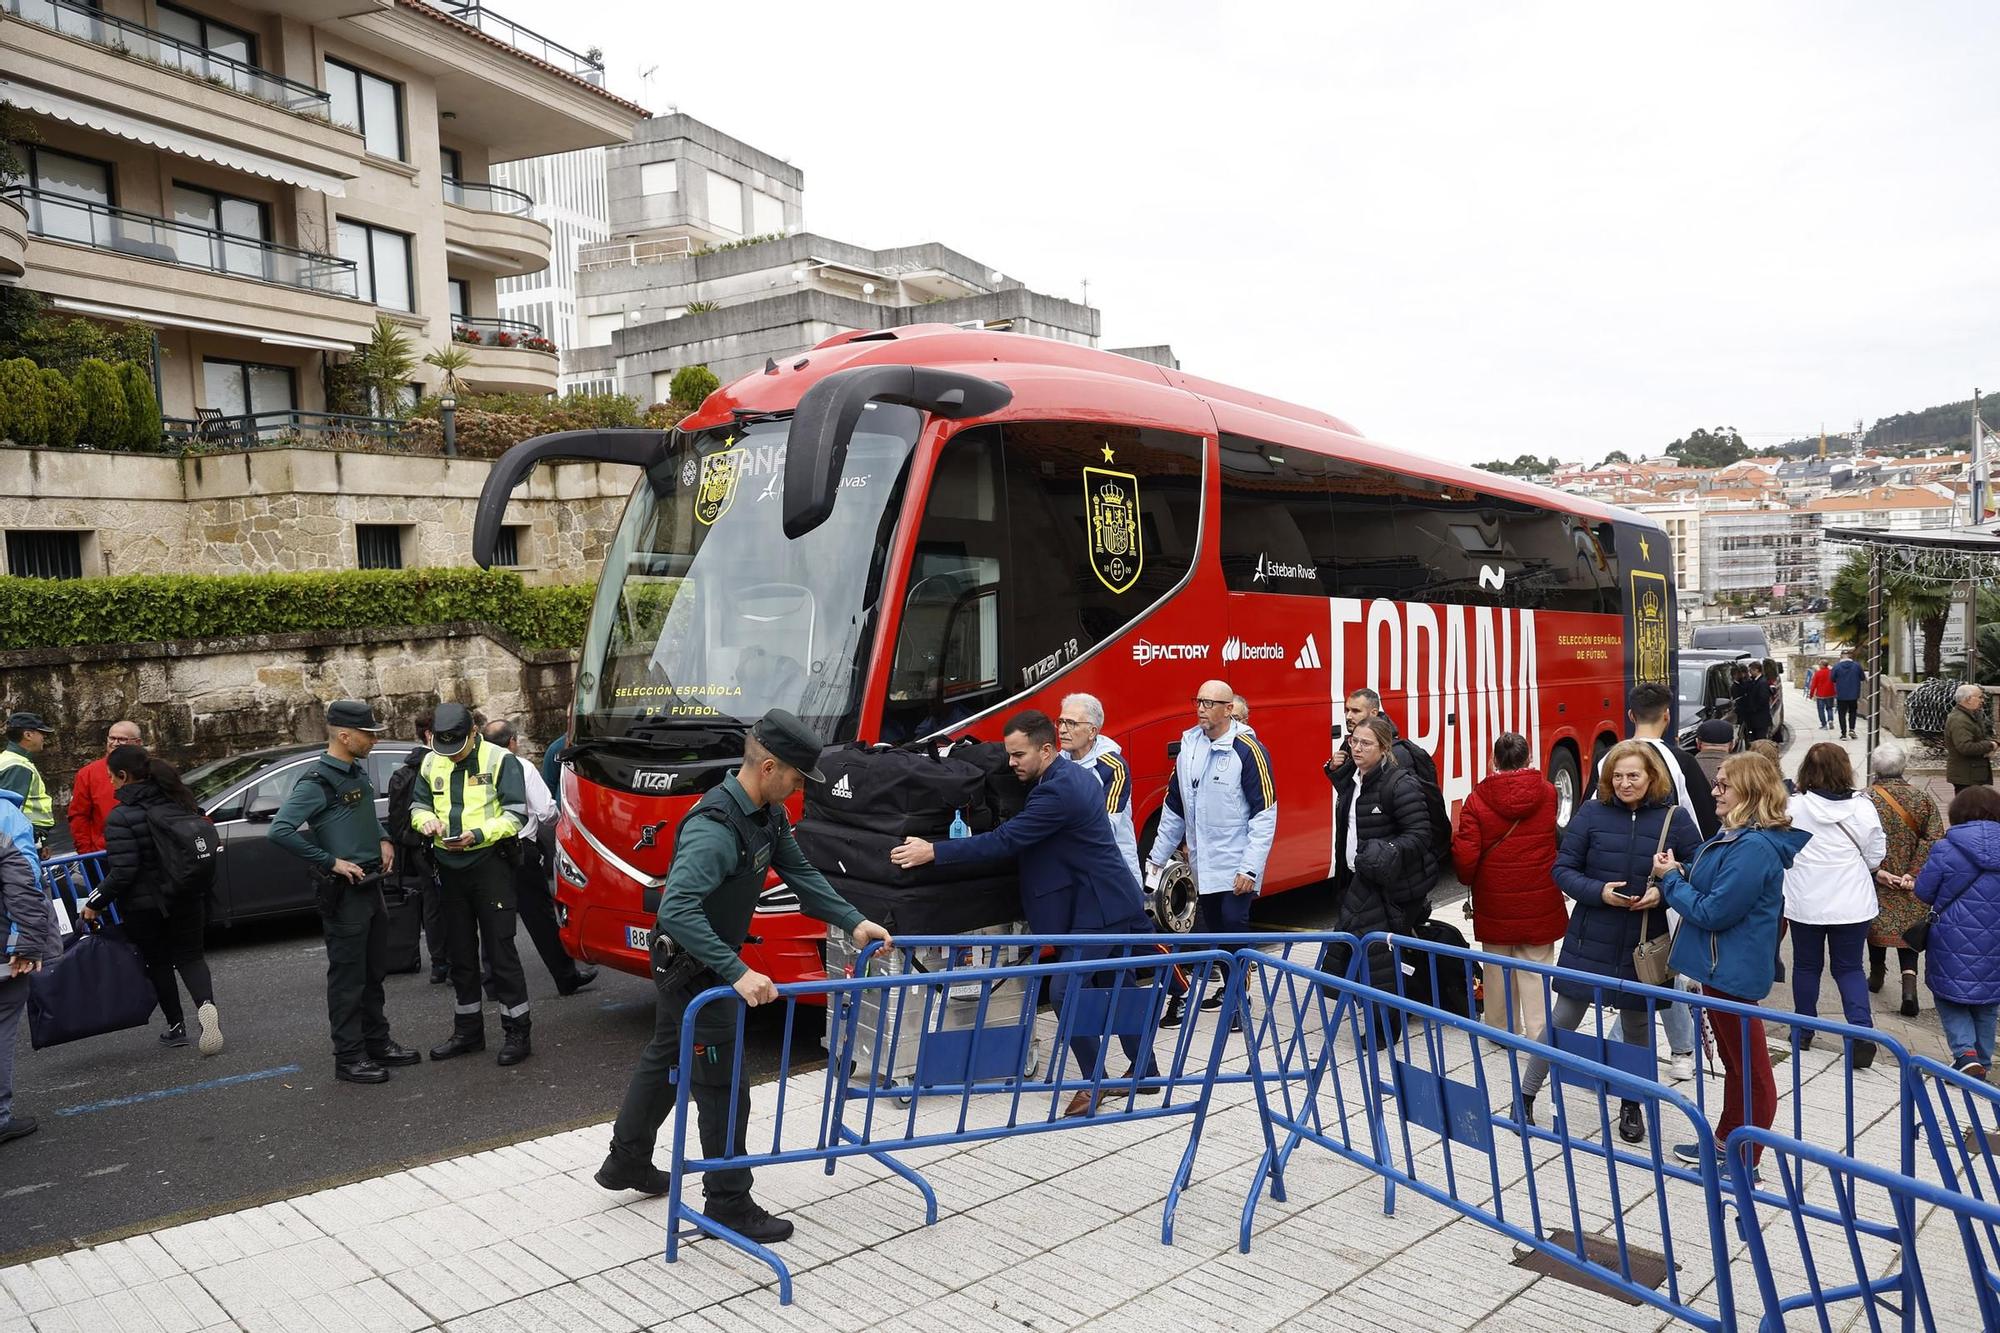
<point x="139" y="608"/>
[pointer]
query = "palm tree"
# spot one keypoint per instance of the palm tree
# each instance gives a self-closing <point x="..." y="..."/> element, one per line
<point x="448" y="361"/>
<point x="1926" y="603"/>
<point x="385" y="363"/>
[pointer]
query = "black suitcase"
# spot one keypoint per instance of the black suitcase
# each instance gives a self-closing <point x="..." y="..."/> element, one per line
<point x="935" y="909"/>
<point x="1005" y="794"/>
<point x="897" y="792"/>
<point x="406" y="931"/>
<point x="859" y="853"/>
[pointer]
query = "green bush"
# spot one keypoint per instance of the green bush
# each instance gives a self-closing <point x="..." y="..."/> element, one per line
<point x="138" y="608"/>
<point x="692" y="385"/>
<point x="24" y="404"/>
<point x="489" y="424"/>
<point x="101" y="405"/>
<point x="60" y="404"/>
<point x="143" y="427"/>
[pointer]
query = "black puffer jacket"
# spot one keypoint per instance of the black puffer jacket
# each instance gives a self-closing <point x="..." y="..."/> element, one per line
<point x="1388" y="886"/>
<point x="132" y="875"/>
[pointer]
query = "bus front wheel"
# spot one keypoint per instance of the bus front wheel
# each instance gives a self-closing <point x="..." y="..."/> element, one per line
<point x="1567" y="777"/>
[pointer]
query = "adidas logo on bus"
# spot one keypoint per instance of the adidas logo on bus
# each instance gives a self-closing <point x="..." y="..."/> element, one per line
<point x="1308" y="658"/>
<point x="841" y="789"/>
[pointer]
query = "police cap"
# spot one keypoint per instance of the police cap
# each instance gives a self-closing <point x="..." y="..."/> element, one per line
<point x="450" y="727"/>
<point x="33" y="722"/>
<point x="791" y="740"/>
<point x="352" y="714"/>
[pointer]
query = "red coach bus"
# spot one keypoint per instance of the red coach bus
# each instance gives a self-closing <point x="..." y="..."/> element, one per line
<point x="913" y="533"/>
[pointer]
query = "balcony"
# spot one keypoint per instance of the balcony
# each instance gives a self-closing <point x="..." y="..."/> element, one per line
<point x="284" y="428"/>
<point x="586" y="66"/>
<point x="68" y="61"/>
<point x="487" y="227"/>
<point x="92" y="257"/>
<point x="508" y="355"/>
<point x="13" y="239"/>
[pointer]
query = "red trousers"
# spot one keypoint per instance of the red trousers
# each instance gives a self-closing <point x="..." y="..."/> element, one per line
<point x="1730" y="1033"/>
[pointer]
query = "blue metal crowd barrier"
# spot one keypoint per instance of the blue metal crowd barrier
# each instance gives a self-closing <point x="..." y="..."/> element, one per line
<point x="1960" y="1119"/>
<point x="71" y="879"/>
<point x="1837" y="1263"/>
<point x="974" y="1080"/>
<point x="1404" y="1078"/>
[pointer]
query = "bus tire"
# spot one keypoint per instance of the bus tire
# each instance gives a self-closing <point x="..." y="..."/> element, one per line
<point x="1174" y="902"/>
<point x="1567" y="776"/>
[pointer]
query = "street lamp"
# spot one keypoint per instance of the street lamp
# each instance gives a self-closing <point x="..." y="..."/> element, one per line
<point x="448" y="415"/>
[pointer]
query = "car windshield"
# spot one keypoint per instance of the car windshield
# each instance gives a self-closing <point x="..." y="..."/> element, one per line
<point x="212" y="779"/>
<point x="707" y="615"/>
<point x="1694" y="677"/>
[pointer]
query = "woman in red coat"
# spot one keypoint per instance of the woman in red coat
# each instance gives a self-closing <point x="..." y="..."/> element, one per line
<point x="1504" y="848"/>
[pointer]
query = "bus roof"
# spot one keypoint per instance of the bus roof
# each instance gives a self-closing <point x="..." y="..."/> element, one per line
<point x="990" y="354"/>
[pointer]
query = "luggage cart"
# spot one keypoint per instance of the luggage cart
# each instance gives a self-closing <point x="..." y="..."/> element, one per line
<point x="989" y="1057"/>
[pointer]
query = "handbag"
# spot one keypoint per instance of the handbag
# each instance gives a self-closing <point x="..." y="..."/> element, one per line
<point x="1649" y="959"/>
<point x="99" y="985"/>
<point x="1482" y="864"/>
<point x="1918" y="937"/>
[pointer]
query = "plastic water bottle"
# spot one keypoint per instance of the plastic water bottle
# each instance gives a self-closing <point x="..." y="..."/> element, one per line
<point x="959" y="828"/>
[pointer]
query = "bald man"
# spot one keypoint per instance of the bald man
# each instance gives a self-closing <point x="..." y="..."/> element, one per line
<point x="1223" y="804"/>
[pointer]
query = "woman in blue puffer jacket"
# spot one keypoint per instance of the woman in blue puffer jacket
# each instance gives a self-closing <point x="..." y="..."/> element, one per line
<point x="1961" y="883"/>
<point x="1604" y="865"/>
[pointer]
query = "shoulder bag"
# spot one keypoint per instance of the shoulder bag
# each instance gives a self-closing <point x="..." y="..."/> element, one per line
<point x="1480" y="864"/>
<point x="1649" y="959"/>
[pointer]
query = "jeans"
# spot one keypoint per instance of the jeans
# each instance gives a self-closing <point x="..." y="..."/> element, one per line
<point x="1678" y="1020"/>
<point x="1635" y="1024"/>
<point x="1968" y="1030"/>
<point x="1740" y="1043"/>
<point x="1810" y="947"/>
<point x="13" y="999"/>
<point x="1825" y="712"/>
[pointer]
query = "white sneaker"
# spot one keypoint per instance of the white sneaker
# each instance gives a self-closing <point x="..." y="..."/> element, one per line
<point x="1680" y="1067"/>
<point x="211" y="1029"/>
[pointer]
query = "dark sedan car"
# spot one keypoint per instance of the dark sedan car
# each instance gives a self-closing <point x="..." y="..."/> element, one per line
<point x="242" y="794"/>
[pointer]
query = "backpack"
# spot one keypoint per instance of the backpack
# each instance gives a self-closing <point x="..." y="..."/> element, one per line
<point x="402" y="792"/>
<point x="1419" y="765"/>
<point x="187" y="846"/>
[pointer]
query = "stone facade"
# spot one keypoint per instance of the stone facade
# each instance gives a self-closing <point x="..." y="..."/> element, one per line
<point x="271" y="510"/>
<point x="198" y="700"/>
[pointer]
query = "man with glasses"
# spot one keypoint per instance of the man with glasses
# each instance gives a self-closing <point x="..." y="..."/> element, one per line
<point x="1084" y="741"/>
<point x="1223" y="804"/>
<point x="90" y="798"/>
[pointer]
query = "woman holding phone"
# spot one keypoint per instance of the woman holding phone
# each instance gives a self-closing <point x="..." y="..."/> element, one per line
<point x="1605" y="866"/>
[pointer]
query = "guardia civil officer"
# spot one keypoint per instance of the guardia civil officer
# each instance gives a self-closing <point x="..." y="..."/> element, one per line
<point x="470" y="800"/>
<point x="27" y="735"/>
<point x="346" y="846"/>
<point x="1063" y="838"/>
<point x="723" y="848"/>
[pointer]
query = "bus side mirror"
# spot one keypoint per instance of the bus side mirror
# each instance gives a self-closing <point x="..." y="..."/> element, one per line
<point x="824" y="423"/>
<point x="641" y="448"/>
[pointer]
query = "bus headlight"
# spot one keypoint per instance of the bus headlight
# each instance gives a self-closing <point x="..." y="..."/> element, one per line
<point x="568" y="869"/>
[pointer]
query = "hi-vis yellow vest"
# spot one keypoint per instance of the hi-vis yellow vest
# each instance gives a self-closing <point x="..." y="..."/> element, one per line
<point x="41" y="811"/>
<point x="466" y="797"/>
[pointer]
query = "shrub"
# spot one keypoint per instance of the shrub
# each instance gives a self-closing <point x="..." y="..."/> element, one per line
<point x="139" y="608"/>
<point x="143" y="427"/>
<point x="692" y="385"/>
<point x="24" y="406"/>
<point x="101" y="414"/>
<point x="65" y="343"/>
<point x="60" y="404"/>
<point x="489" y="424"/>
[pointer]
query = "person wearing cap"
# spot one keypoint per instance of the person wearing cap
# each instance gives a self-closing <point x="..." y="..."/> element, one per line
<point x="471" y="801"/>
<point x="27" y="735"/>
<point x="723" y="849"/>
<point x="347" y="846"/>
<point x="1713" y="741"/>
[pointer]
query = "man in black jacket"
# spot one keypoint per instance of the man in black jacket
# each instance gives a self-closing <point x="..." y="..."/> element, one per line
<point x="413" y="854"/>
<point x="1651" y="710"/>
<point x="1752" y="695"/>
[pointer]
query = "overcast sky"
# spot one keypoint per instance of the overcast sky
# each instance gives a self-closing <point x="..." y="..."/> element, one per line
<point x="1471" y="229"/>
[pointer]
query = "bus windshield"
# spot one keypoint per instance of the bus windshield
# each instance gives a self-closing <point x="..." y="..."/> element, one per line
<point x="707" y="615"/>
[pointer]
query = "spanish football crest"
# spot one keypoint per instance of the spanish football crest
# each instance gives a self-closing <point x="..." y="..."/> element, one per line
<point x="1652" y="636"/>
<point x="718" y="484"/>
<point x="1112" y="504"/>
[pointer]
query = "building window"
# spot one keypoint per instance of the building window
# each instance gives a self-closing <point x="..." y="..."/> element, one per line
<point x="45" y="555"/>
<point x="725" y="203"/>
<point x="507" y="551"/>
<point x="597" y="329"/>
<point x="461" y="298"/>
<point x="361" y="101"/>
<point x="451" y="163"/>
<point x="767" y="214"/>
<point x="244" y="388"/>
<point x="67" y="177"/>
<point x="659" y="178"/>
<point x="228" y="216"/>
<point x="206" y="33"/>
<point x="381" y="258"/>
<point x="378" y="545"/>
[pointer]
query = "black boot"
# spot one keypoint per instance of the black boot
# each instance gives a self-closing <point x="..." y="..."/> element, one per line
<point x="619" y="1174"/>
<point x="1631" y="1123"/>
<point x="514" y="1046"/>
<point x="1878" y="968"/>
<point x="1909" y="995"/>
<point x="581" y="977"/>
<point x="1864" y="1054"/>
<point x="751" y="1222"/>
<point x="468" y="1034"/>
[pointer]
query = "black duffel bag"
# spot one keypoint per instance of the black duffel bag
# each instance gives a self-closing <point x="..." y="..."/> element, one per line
<point x="897" y="792"/>
<point x="99" y="985"/>
<point x="934" y="909"/>
<point x="859" y="853"/>
<point x="1006" y="794"/>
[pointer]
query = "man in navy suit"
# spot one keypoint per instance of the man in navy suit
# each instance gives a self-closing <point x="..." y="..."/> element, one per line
<point x="1074" y="880"/>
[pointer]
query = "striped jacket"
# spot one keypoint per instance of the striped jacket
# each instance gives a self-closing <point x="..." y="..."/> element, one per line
<point x="1107" y="761"/>
<point x="1223" y="804"/>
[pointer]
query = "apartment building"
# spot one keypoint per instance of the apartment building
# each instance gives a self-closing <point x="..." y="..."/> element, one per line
<point x="1682" y="521"/>
<point x="569" y="194"/>
<point x="258" y="180"/>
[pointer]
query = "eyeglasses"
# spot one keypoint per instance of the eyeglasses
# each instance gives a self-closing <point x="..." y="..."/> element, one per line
<point x="1720" y="786"/>
<point x="1212" y="703"/>
<point x="1071" y="722"/>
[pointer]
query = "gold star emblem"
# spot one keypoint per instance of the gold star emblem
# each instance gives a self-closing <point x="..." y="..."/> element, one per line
<point x="1645" y="549"/>
<point x="1108" y="457"/>
<point x="729" y="441"/>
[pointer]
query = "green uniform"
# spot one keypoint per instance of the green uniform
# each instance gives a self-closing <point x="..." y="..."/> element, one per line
<point x="19" y="773"/>
<point x="721" y="855"/>
<point x="337" y="800"/>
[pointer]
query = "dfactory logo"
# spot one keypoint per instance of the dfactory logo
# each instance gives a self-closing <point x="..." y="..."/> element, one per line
<point x="1145" y="651"/>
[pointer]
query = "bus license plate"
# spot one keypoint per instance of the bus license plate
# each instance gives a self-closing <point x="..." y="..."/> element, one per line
<point x="638" y="937"/>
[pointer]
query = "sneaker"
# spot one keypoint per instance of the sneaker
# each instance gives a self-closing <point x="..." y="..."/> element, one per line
<point x="1680" y="1067"/>
<point x="177" y="1035"/>
<point x="753" y="1223"/>
<point x="1690" y="1155"/>
<point x="1687" y="1154"/>
<point x="1970" y="1066"/>
<point x="1631" y="1122"/>
<point x="19" y="1128"/>
<point x="1213" y="1000"/>
<point x="1176" y="1011"/>
<point x="646" y="1178"/>
<point x="1525" y="1110"/>
<point x="211" y="1029"/>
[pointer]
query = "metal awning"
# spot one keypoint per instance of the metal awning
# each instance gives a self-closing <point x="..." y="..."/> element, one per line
<point x="172" y="139"/>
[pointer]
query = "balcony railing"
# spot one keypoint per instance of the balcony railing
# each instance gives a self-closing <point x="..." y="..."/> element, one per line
<point x="56" y="217"/>
<point x="487" y="198"/>
<point x="628" y="254"/>
<point x="250" y="430"/>
<point x="589" y="68"/>
<point x="128" y="38"/>
<point x="483" y="331"/>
